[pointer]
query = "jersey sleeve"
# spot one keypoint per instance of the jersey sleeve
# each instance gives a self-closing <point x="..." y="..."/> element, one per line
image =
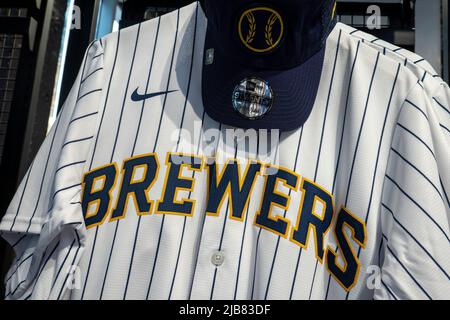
<point x="46" y="204"/>
<point x="415" y="213"/>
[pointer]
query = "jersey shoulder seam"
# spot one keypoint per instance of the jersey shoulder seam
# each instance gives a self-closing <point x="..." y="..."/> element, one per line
<point x="357" y="35"/>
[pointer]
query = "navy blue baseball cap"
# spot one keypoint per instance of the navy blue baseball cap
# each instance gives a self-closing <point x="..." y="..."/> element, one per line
<point x="263" y="60"/>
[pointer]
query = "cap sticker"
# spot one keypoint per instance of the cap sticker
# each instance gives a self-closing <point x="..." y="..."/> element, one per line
<point x="261" y="29"/>
<point x="252" y="98"/>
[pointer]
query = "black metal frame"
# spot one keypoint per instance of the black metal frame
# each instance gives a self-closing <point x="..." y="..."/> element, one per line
<point x="17" y="122"/>
<point x="134" y="10"/>
<point x="78" y="43"/>
<point x="404" y="16"/>
<point x="401" y="17"/>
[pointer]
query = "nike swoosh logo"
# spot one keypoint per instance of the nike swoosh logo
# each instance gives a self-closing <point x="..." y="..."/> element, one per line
<point x="141" y="97"/>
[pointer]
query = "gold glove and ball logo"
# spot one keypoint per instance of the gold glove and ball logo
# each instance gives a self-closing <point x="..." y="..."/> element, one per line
<point x="261" y="29"/>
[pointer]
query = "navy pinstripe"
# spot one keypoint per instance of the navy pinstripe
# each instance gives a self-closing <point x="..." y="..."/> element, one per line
<point x="62" y="264"/>
<point x="415" y="239"/>
<point x="63" y="285"/>
<point x="418" y="138"/>
<point x="125" y="96"/>
<point x="242" y="241"/>
<point x="21" y="199"/>
<point x="377" y="161"/>
<point x="441" y="105"/>
<point x="409" y="273"/>
<point x="88" y="93"/>
<point x="318" y="156"/>
<point x="18" y="266"/>
<point x="48" y="158"/>
<point x="345" y="117"/>
<point x="418" y="109"/>
<point x="387" y="289"/>
<point x="184" y="226"/>
<point x="255" y="264"/>
<point x="84" y="116"/>
<point x="70" y="165"/>
<point x="223" y="232"/>
<point x="154" y="149"/>
<point x="134" y="147"/>
<point x="41" y="268"/>
<point x="284" y="216"/>
<point x="178" y="142"/>
<point x="417" y="205"/>
<point x="200" y="235"/>
<point x="93" y="155"/>
<point x="356" y="150"/>
<point x="92" y="73"/>
<point x="418" y="171"/>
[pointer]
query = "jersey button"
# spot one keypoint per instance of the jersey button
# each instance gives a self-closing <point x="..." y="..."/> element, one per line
<point x="217" y="258"/>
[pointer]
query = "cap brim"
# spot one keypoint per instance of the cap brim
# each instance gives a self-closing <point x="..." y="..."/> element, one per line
<point x="294" y="91"/>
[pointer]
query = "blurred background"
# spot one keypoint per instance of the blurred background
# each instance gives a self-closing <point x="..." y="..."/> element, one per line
<point x="42" y="43"/>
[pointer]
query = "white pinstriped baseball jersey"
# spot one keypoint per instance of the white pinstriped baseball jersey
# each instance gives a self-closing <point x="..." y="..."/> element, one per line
<point x="120" y="203"/>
